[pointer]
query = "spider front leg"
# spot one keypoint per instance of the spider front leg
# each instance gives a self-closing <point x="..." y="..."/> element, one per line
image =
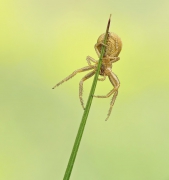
<point x="87" y="76"/>
<point x="90" y="59"/>
<point x="115" y="82"/>
<point x="74" y="73"/>
<point x="96" y="47"/>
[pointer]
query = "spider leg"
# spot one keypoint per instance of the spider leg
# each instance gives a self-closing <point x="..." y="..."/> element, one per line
<point x="96" y="47"/>
<point x="114" y="59"/>
<point x="102" y="79"/>
<point x="111" y="104"/>
<point x="74" y="73"/>
<point x="87" y="76"/>
<point x="115" y="82"/>
<point x="90" y="59"/>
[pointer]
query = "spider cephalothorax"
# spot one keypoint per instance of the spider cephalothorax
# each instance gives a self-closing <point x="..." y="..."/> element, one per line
<point x="113" y="48"/>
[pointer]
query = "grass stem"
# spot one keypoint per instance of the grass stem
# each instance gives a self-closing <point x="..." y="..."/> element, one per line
<point x="86" y="111"/>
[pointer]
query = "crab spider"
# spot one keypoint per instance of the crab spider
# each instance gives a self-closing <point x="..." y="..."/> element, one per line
<point x="113" y="48"/>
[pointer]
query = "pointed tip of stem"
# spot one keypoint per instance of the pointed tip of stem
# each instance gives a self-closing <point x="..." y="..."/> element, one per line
<point x="110" y="17"/>
<point x="108" y="24"/>
<point x="54" y="87"/>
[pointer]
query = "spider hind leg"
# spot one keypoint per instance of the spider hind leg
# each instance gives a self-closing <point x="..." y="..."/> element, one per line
<point x="111" y="104"/>
<point x="87" y="76"/>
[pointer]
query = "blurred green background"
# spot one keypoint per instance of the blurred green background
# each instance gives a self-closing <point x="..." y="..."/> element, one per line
<point x="41" y="42"/>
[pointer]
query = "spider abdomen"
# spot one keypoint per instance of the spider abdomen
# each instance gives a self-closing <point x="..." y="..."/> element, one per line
<point x="114" y="44"/>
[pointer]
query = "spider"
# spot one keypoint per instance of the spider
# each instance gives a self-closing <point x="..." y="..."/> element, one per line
<point x="112" y="50"/>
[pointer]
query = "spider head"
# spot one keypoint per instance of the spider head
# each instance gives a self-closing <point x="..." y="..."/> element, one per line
<point x="114" y="44"/>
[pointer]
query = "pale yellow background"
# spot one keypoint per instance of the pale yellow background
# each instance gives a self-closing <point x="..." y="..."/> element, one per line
<point x="41" y="42"/>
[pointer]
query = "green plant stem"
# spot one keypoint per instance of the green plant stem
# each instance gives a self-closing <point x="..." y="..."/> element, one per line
<point x="86" y="112"/>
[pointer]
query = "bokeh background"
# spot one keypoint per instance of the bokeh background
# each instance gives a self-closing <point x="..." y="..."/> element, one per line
<point x="41" y="42"/>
